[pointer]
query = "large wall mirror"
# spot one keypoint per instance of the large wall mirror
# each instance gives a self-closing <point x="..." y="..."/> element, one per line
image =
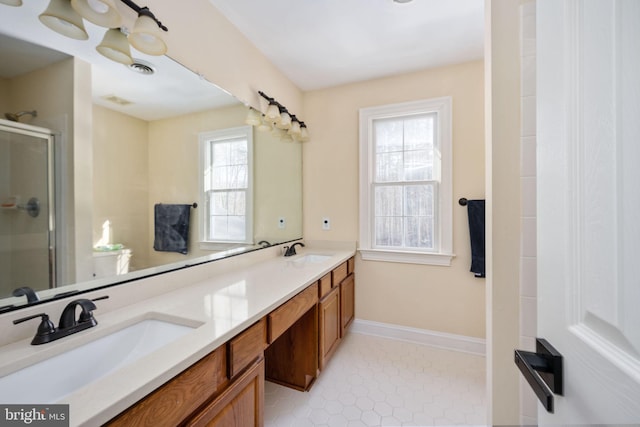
<point x="94" y="146"/>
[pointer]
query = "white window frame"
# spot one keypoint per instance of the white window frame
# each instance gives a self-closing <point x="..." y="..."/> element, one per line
<point x="442" y="255"/>
<point x="204" y="138"/>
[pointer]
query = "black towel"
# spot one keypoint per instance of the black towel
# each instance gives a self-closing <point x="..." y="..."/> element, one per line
<point x="171" y="228"/>
<point x="475" y="211"/>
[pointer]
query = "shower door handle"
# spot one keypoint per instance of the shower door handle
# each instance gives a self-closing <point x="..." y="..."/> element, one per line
<point x="542" y="370"/>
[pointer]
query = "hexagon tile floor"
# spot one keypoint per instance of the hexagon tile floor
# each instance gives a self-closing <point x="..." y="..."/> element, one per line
<point x="373" y="381"/>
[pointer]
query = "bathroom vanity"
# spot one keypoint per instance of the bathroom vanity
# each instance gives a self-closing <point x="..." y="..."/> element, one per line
<point x="226" y="387"/>
<point x="277" y="318"/>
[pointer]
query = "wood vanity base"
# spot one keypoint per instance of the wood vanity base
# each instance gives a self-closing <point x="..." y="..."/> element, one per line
<point x="289" y="346"/>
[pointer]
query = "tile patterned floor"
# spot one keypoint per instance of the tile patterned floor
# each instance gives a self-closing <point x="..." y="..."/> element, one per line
<point x="373" y="381"/>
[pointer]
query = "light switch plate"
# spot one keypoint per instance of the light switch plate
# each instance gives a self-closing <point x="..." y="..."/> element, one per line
<point x="326" y="223"/>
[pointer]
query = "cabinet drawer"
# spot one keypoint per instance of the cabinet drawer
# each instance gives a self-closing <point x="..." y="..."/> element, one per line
<point x="286" y="315"/>
<point x="339" y="273"/>
<point x="351" y="265"/>
<point x="247" y="347"/>
<point x="177" y="399"/>
<point x="324" y="285"/>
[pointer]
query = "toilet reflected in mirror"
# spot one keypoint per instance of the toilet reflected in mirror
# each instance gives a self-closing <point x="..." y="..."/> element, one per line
<point x="111" y="263"/>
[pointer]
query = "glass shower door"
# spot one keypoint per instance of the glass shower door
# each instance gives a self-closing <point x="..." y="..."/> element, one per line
<point x="27" y="243"/>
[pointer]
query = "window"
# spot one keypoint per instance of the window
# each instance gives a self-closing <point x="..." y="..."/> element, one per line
<point x="226" y="158"/>
<point x="405" y="182"/>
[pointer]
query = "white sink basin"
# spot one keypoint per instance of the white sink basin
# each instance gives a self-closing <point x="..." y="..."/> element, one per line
<point x="311" y="259"/>
<point x="51" y="380"/>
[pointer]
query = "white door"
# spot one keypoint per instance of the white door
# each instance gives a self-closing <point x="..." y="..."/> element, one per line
<point x="589" y="205"/>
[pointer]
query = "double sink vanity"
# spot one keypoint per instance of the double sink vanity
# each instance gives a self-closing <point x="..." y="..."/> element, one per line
<point x="196" y="354"/>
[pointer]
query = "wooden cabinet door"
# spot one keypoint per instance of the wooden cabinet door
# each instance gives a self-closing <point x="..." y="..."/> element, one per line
<point x="329" y="325"/>
<point x="240" y="405"/>
<point x="347" y="303"/>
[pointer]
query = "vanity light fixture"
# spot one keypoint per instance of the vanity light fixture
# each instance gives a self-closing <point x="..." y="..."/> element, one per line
<point x="294" y="131"/>
<point x="285" y="119"/>
<point x="115" y="46"/>
<point x="304" y="132"/>
<point x="63" y="19"/>
<point x="277" y="118"/>
<point x="146" y="35"/>
<point x="100" y="12"/>
<point x="253" y="117"/>
<point x="265" y="125"/>
<point x="273" y="111"/>
<point x="12" y="2"/>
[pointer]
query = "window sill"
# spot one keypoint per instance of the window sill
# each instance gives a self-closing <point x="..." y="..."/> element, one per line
<point x="220" y="246"/>
<point x="407" y="257"/>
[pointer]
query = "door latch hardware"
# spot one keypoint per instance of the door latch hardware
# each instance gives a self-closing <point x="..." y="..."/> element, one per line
<point x="542" y="370"/>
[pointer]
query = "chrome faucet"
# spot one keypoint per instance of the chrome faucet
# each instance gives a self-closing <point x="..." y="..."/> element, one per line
<point x="68" y="324"/>
<point x="291" y="250"/>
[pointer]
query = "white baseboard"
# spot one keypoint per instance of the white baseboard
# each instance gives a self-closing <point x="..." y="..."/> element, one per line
<point x="420" y="336"/>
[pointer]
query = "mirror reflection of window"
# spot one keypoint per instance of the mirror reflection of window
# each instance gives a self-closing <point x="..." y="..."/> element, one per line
<point x="227" y="190"/>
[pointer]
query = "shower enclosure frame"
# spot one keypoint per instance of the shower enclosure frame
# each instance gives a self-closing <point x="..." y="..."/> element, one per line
<point x="50" y="137"/>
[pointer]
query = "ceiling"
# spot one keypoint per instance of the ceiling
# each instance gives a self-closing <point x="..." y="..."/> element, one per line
<point x="324" y="43"/>
<point x="315" y="43"/>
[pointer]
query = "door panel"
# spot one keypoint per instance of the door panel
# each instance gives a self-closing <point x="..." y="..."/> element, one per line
<point x="588" y="201"/>
<point x="27" y="239"/>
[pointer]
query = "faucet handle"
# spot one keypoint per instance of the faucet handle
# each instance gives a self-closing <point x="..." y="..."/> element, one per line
<point x="86" y="314"/>
<point x="45" y="328"/>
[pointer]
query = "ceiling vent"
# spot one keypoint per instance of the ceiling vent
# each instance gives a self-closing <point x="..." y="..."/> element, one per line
<point x="116" y="100"/>
<point x="142" y="67"/>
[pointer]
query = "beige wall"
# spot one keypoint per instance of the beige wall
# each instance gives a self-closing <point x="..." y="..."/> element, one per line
<point x="444" y="299"/>
<point x="204" y="40"/>
<point x="174" y="175"/>
<point x="503" y="209"/>
<point x="277" y="188"/>
<point x="121" y="182"/>
<point x="46" y="90"/>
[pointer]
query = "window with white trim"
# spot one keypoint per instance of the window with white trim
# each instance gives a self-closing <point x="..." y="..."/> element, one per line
<point x="226" y="178"/>
<point x="405" y="182"/>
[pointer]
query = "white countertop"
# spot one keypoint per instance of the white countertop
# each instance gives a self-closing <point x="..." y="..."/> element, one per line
<point x="222" y="305"/>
